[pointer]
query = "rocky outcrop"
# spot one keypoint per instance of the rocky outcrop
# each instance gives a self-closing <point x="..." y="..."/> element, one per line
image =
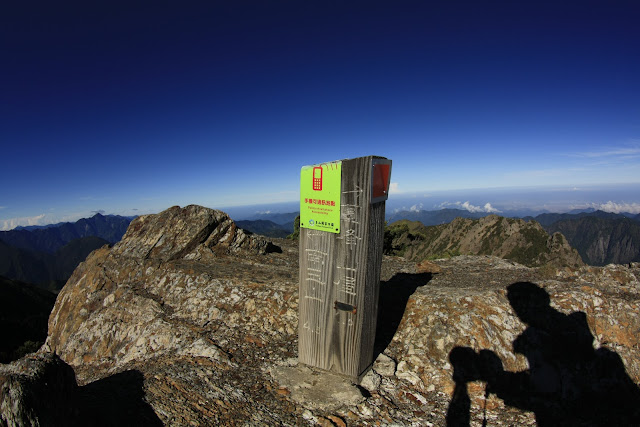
<point x="41" y="390"/>
<point x="38" y="390"/>
<point x="524" y="242"/>
<point x="204" y="330"/>
<point x="143" y="299"/>
<point x="469" y="307"/>
<point x="189" y="233"/>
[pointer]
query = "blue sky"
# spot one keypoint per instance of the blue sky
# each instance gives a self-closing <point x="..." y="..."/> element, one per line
<point x="131" y="107"/>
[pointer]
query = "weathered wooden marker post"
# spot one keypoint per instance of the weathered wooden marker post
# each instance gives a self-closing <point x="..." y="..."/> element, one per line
<point x="341" y="235"/>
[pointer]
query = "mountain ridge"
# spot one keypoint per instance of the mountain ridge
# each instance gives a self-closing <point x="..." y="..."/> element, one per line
<point x="47" y="256"/>
<point x="264" y="227"/>
<point x="524" y="242"/>
<point x="53" y="237"/>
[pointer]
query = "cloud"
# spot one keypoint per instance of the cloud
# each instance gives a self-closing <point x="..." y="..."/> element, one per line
<point x="489" y="208"/>
<point x="630" y="151"/>
<point x="471" y="208"/>
<point x="610" y="206"/>
<point x="99" y="211"/>
<point x="11" y="223"/>
<point x="393" y="188"/>
<point x="416" y="208"/>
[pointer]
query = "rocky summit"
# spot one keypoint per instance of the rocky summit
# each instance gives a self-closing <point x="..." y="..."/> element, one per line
<point x="189" y="320"/>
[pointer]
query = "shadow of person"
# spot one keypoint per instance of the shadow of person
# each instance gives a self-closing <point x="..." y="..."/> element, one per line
<point x="465" y="370"/>
<point x="392" y="301"/>
<point x="568" y="382"/>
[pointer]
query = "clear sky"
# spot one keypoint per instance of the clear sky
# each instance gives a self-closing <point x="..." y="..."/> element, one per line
<point x="131" y="107"/>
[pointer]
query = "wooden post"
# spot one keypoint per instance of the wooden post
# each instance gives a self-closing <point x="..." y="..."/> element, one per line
<point x="340" y="267"/>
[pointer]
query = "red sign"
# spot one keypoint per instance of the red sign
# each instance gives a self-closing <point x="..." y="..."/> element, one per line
<point x="317" y="178"/>
<point x="380" y="180"/>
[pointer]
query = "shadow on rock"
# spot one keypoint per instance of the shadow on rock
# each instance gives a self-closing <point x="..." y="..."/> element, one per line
<point x="568" y="381"/>
<point x="41" y="389"/>
<point x="115" y="401"/>
<point x="394" y="294"/>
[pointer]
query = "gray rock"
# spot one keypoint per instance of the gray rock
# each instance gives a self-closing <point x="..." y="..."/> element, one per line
<point x="384" y="365"/>
<point x="316" y="390"/>
<point x="38" y="390"/>
<point x="371" y="381"/>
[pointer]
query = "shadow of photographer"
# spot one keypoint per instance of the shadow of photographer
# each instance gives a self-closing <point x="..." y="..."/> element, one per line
<point x="568" y="381"/>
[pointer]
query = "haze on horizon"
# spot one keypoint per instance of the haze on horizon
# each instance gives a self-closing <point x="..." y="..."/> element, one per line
<point x="127" y="108"/>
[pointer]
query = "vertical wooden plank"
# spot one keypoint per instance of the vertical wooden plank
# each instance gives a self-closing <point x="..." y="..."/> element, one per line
<point x="316" y="289"/>
<point x="374" y="266"/>
<point x="351" y="264"/>
<point x="339" y="279"/>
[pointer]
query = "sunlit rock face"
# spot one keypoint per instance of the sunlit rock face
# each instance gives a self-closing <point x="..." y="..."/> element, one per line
<point x="198" y="321"/>
<point x="525" y="242"/>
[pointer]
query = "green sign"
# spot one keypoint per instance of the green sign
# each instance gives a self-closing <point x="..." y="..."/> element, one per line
<point x="320" y="197"/>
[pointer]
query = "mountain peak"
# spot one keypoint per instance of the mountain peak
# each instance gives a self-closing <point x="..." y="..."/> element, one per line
<point x="177" y="232"/>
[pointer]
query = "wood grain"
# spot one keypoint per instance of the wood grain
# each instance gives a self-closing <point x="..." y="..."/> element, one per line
<point x="340" y="278"/>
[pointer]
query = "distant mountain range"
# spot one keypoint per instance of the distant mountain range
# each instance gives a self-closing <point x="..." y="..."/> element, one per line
<point x="46" y="256"/>
<point x="442" y="216"/>
<point x="546" y="219"/>
<point x="53" y="237"/>
<point x="264" y="227"/>
<point x="599" y="237"/>
<point x="285" y="219"/>
<point x="270" y="224"/>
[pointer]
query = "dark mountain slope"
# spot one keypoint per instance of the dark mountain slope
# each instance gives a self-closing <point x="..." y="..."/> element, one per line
<point x="73" y="253"/>
<point x="602" y="241"/>
<point x="24" y="312"/>
<point x="24" y="265"/>
<point x="49" y="271"/>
